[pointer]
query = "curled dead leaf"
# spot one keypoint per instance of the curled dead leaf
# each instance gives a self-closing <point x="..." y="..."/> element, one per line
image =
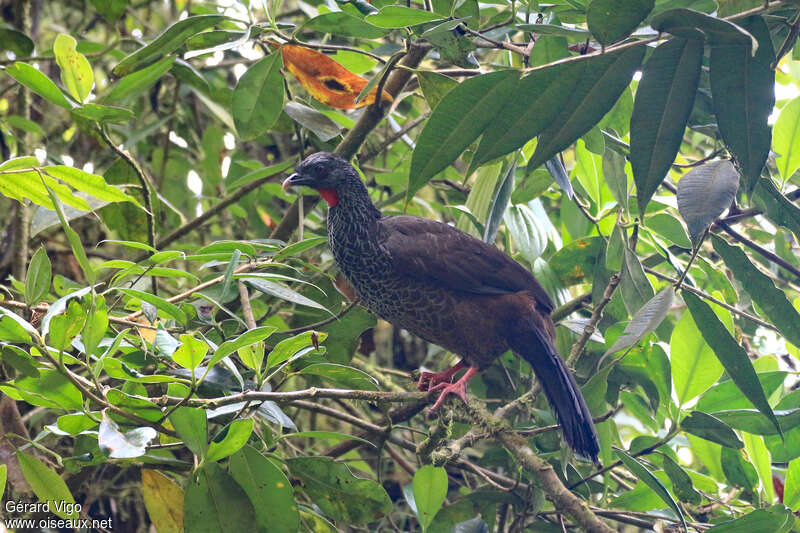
<point x="325" y="79"/>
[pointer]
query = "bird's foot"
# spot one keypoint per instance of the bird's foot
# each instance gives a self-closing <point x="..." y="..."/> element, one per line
<point x="427" y="380"/>
<point x="459" y="388"/>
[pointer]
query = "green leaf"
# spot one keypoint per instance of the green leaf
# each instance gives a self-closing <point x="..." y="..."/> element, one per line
<point x="640" y="471"/>
<point x="38" y="83"/>
<point x="759" y="455"/>
<point x="646" y="320"/>
<point x="166" y="43"/>
<point x="681" y="481"/>
<point x="603" y="80"/>
<point x="15" y="41"/>
<point x="612" y="20"/>
<point x="434" y="86"/>
<point x="772" y="301"/>
<point x="192" y="427"/>
<point x="50" y="389"/>
<point x="289" y="347"/>
<point x="635" y="288"/>
<point x="269" y="491"/>
<point x="247" y="338"/>
<point x="214" y="502"/>
<point x="704" y="193"/>
<point x="690" y="23"/>
<point x="778" y="208"/>
<point x="430" y="491"/>
<point x="737" y="470"/>
<point x="74" y="239"/>
<point x="160" y="303"/>
<point x="661" y="109"/>
<point x="279" y="291"/>
<point x="711" y="428"/>
<point x="26" y="125"/>
<point x="139" y="81"/>
<point x="225" y="290"/>
<point x="339" y="494"/>
<point x="258" y="98"/>
<point x="732" y="356"/>
<point x="791" y="490"/>
<point x="577" y="260"/>
<point x="786" y="139"/>
<point x="343" y="24"/>
<point x="755" y="423"/>
<point x="111" y="10"/>
<point x="536" y="100"/>
<point x="341" y="375"/>
<point x="76" y="72"/>
<point x="462" y="115"/>
<point x="772" y="519"/>
<point x="332" y="435"/>
<point x="48" y="486"/>
<point x="314" y="121"/>
<point x="527" y="232"/>
<point x="400" y="17"/>
<point x="12" y="331"/>
<point x="670" y="228"/>
<point x="3" y="476"/>
<point x="191" y="351"/>
<point x="743" y="91"/>
<point x="230" y="439"/>
<point x="726" y="395"/>
<point x="103" y="113"/>
<point x="37" y="282"/>
<point x="19" y="359"/>
<point x="91" y="184"/>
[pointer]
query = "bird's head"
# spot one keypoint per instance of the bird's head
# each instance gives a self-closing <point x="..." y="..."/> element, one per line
<point x="325" y="172"/>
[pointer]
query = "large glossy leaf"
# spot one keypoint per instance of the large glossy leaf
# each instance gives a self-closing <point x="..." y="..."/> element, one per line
<point x="726" y="395"/>
<point x="160" y="303"/>
<point x="536" y="99"/>
<point x="268" y="489"/>
<point x="681" y="481"/>
<point x="758" y="454"/>
<point x="704" y="193"/>
<point x="461" y="116"/>
<point x="192" y="427"/>
<point x="89" y="183"/>
<point x="37" y="281"/>
<point x="732" y="356"/>
<point x="258" y="98"/>
<point x="752" y="421"/>
<point x="646" y="320"/>
<point x="611" y="20"/>
<point x="279" y="291"/>
<point x="604" y="79"/>
<point x="743" y="91"/>
<point x="635" y="288"/>
<point x="214" y="503"/>
<point x="166" y="43"/>
<point x="786" y="139"/>
<point x="48" y="486"/>
<point x="791" y="492"/>
<point x="690" y="23"/>
<point x="711" y="428"/>
<point x="526" y="230"/>
<point x="338" y="493"/>
<point x="230" y="439"/>
<point x="341" y="375"/>
<point x="123" y="444"/>
<point x="772" y="301"/>
<point x="661" y="108"/>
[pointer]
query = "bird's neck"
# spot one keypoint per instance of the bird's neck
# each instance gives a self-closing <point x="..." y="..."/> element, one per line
<point x="350" y="201"/>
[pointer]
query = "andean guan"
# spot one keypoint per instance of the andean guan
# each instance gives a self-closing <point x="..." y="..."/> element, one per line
<point x="448" y="288"/>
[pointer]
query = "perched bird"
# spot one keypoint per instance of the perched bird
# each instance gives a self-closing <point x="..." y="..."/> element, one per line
<point x="448" y="288"/>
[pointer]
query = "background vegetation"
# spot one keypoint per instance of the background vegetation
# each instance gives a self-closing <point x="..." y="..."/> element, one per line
<point x="175" y="352"/>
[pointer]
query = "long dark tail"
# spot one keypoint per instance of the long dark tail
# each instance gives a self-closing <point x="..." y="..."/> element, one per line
<point x="561" y="390"/>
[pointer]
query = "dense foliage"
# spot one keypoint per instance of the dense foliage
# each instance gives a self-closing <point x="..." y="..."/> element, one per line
<point x="177" y="351"/>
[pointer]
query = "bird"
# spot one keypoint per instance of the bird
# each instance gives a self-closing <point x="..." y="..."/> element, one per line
<point x="448" y="288"/>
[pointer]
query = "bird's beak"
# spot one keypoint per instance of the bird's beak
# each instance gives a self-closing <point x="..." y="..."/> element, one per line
<point x="288" y="182"/>
<point x="296" y="180"/>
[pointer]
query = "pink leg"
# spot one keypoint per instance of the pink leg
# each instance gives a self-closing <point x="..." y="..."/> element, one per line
<point x="458" y="388"/>
<point x="429" y="379"/>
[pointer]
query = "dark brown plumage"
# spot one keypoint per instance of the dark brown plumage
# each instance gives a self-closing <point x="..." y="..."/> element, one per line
<point x="447" y="287"/>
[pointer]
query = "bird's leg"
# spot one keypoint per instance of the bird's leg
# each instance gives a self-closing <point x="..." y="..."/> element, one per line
<point x="458" y="388"/>
<point x="429" y="379"/>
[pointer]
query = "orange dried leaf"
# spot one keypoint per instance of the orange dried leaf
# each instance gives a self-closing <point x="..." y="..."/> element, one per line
<point x="325" y="79"/>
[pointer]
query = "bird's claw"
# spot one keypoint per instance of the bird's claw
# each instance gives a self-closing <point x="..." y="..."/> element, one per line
<point x="458" y="388"/>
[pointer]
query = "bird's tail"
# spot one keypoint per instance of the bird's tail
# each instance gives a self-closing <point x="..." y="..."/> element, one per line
<point x="561" y="390"/>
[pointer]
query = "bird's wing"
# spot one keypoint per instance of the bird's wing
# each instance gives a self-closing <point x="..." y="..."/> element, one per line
<point x="433" y="251"/>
